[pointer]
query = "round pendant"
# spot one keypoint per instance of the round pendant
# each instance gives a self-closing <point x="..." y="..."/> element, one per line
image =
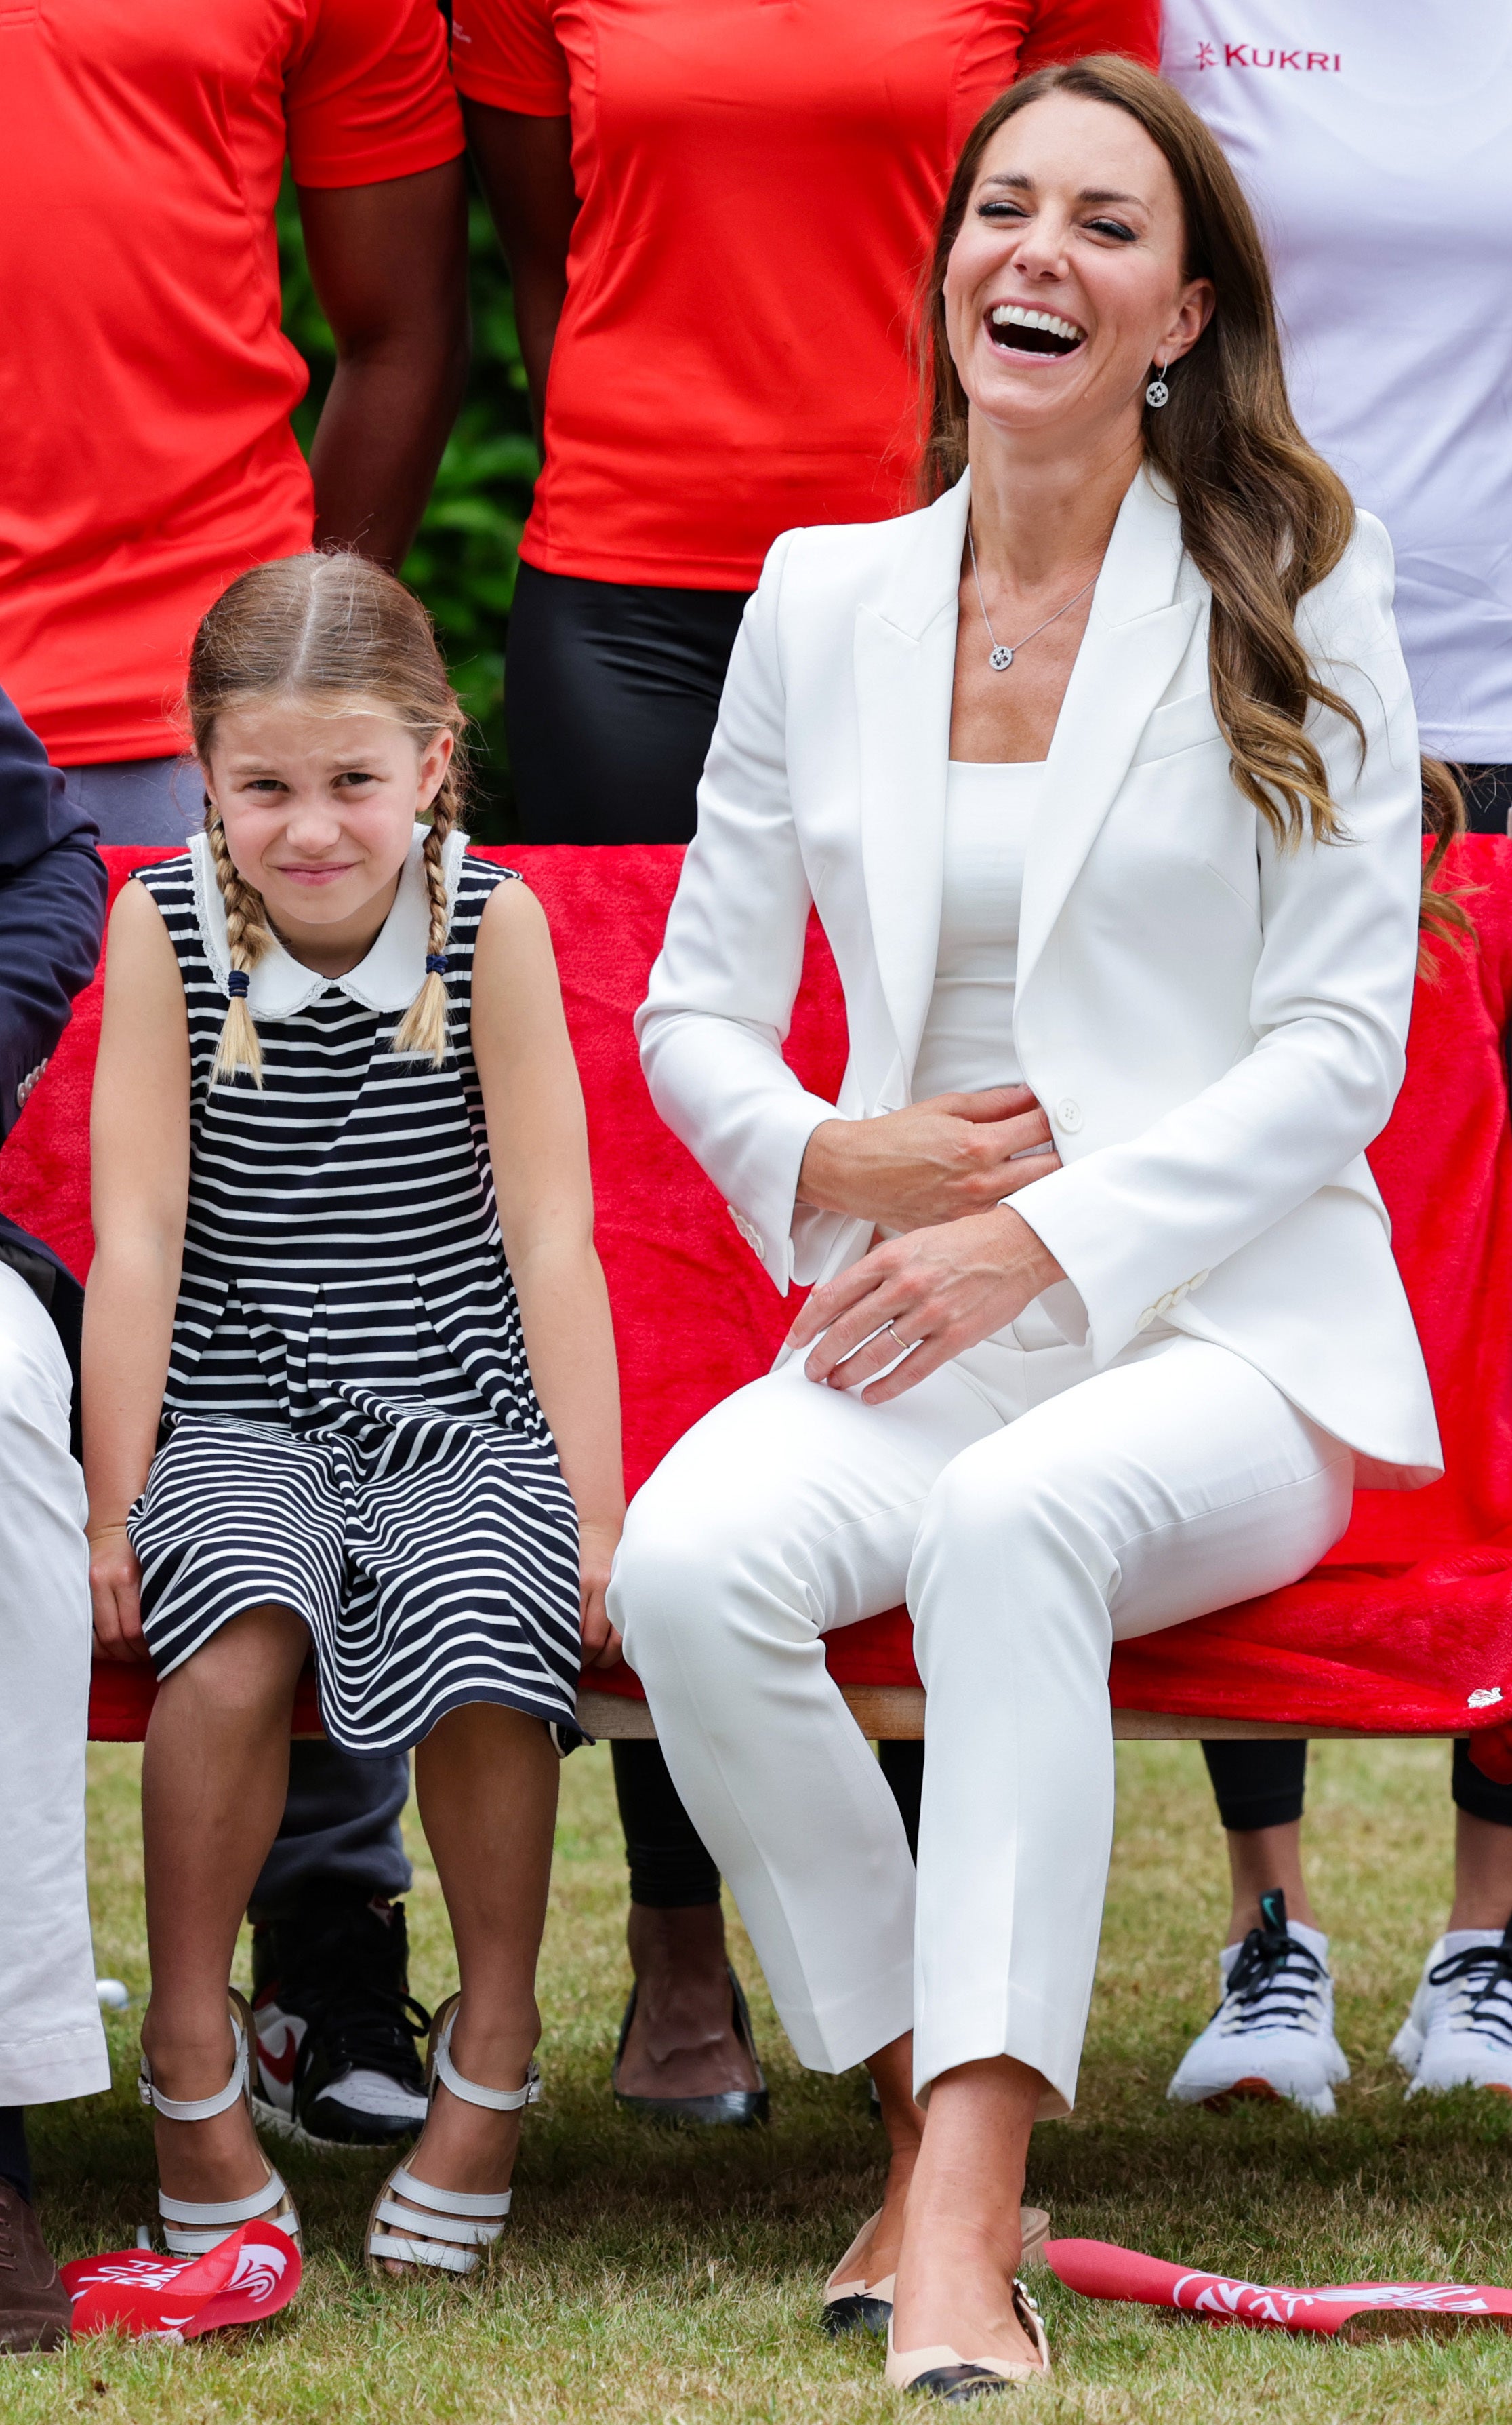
<point x="1157" y="393"/>
<point x="1000" y="660"/>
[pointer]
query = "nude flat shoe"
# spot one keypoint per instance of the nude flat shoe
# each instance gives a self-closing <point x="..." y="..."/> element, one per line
<point x="940" y="2372"/>
<point x="851" y="2304"/>
<point x="854" y="2304"/>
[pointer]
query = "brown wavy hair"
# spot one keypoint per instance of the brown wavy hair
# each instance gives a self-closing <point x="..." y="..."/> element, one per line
<point x="1264" y="517"/>
<point x="328" y="626"/>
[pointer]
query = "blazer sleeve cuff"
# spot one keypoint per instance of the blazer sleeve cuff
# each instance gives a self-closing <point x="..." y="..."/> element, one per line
<point x="790" y="1240"/>
<point x="1121" y="1293"/>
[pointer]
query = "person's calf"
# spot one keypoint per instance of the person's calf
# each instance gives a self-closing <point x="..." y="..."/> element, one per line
<point x="683" y="2037"/>
<point x="1265" y="1860"/>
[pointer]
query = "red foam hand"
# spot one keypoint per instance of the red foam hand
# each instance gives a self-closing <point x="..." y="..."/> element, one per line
<point x="1101" y="2270"/>
<point x="252" y="2274"/>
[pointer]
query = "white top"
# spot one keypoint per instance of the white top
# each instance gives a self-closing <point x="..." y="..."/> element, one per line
<point x="968" y="1033"/>
<point x="1375" y="137"/>
<point x="386" y="978"/>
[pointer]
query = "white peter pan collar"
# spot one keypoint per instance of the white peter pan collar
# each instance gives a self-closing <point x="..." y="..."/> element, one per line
<point x="390" y="977"/>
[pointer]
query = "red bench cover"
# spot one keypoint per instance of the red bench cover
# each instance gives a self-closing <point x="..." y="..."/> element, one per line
<point x="1406" y="1628"/>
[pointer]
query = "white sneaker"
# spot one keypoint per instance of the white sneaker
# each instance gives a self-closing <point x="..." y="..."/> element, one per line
<point x="1458" y="2034"/>
<point x="1272" y="2035"/>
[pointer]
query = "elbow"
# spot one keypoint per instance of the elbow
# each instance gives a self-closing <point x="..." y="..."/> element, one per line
<point x="1370" y="1081"/>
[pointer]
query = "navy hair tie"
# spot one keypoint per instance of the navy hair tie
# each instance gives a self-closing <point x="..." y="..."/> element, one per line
<point x="238" y="984"/>
<point x="436" y="964"/>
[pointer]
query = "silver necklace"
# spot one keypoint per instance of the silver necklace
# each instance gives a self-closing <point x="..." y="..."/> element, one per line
<point x="1000" y="657"/>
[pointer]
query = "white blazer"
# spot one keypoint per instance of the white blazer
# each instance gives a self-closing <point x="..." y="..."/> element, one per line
<point x="1216" y="1026"/>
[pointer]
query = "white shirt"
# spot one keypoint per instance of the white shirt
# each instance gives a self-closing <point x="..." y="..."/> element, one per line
<point x="1375" y="138"/>
<point x="968" y="1031"/>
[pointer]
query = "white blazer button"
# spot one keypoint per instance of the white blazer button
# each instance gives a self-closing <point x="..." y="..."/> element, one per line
<point x="1068" y="1113"/>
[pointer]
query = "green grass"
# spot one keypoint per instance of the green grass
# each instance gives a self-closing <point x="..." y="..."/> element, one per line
<point x="653" y="2277"/>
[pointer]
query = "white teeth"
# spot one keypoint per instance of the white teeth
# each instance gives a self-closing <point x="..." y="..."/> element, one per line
<point x="1013" y="316"/>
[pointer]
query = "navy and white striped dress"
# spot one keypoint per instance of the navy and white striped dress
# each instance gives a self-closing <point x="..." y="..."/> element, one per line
<point x="350" y="1428"/>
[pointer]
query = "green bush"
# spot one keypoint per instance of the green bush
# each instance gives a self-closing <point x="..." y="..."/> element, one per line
<point x="464" y="559"/>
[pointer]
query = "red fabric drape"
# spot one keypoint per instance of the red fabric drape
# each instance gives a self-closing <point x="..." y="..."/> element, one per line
<point x="1406" y="1628"/>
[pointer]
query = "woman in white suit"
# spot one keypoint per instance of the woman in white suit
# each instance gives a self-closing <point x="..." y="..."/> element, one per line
<point x="1103" y="773"/>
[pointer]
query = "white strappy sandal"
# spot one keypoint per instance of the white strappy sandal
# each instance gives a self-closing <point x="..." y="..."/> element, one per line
<point x="191" y="2229"/>
<point x="457" y="2224"/>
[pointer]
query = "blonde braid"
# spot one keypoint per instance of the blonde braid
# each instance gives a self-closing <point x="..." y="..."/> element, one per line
<point x="247" y="937"/>
<point x="425" y="1026"/>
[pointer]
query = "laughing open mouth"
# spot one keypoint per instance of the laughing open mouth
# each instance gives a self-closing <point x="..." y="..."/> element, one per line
<point x="1015" y="329"/>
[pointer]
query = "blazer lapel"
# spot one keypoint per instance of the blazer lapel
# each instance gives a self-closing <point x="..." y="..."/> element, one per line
<point x="905" y="668"/>
<point x="1135" y="637"/>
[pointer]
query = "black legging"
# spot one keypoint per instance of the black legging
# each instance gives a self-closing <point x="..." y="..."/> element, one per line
<point x="611" y="689"/>
<point x="1260" y="1784"/>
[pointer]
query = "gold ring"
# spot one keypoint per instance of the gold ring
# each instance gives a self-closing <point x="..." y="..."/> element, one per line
<point x="901" y="1344"/>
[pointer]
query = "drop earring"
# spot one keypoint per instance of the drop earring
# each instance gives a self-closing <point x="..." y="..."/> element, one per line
<point x="1158" y="392"/>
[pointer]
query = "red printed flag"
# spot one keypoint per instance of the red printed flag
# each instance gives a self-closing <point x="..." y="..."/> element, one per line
<point x="252" y="2274"/>
<point x="1349" y="2310"/>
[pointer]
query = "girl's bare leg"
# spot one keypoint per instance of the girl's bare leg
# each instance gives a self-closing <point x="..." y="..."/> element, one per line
<point x="215" y="1774"/>
<point x="486" y="1779"/>
<point x="962" y="2237"/>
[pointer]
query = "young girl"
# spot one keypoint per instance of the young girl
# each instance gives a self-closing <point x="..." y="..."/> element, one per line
<point x="349" y="1372"/>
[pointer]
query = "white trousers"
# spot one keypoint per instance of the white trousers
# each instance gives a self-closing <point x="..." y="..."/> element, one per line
<point x="1031" y="1512"/>
<point x="52" y="2044"/>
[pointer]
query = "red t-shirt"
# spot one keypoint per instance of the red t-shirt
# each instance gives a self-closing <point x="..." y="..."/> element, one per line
<point x="759" y="185"/>
<point x="145" y="385"/>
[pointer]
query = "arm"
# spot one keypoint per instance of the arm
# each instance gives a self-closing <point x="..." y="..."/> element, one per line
<point x="720" y="1002"/>
<point x="51" y="907"/>
<point x="389" y="262"/>
<point x="139" y="1149"/>
<point x="539" y="1144"/>
<point x="525" y="167"/>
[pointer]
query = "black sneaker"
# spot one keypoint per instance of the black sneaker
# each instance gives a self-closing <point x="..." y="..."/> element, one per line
<point x="337" y="2064"/>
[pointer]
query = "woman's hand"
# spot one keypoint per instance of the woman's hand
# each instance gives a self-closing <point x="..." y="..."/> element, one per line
<point x="938" y="1291"/>
<point x="596" y="1545"/>
<point x="939" y="1161"/>
<point x="116" y="1591"/>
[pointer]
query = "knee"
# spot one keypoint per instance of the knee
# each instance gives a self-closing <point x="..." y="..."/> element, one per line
<point x="990" y="1497"/>
<point x="1006" y="1543"/>
<point x="245" y="1674"/>
<point x="692" y="1574"/>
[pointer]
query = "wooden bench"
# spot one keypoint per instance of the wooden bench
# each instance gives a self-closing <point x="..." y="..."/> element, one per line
<point x="1406" y="1628"/>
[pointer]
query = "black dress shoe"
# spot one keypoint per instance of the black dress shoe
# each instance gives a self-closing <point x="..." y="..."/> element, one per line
<point x="739" y="2107"/>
